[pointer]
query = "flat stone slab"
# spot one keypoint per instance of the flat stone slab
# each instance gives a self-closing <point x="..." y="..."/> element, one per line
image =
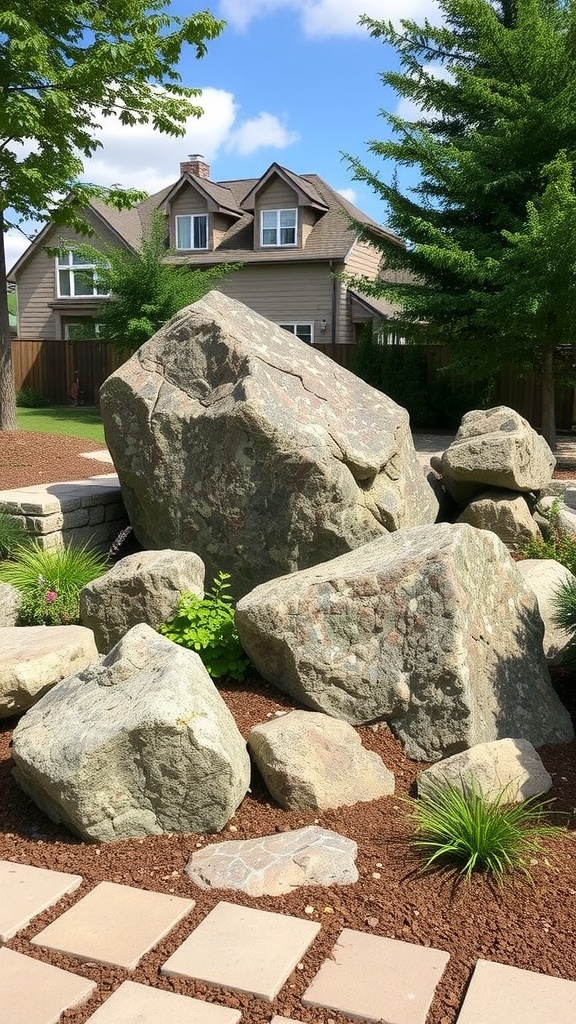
<point x="140" y="1004"/>
<point x="376" y="979"/>
<point x="499" y="994"/>
<point x="276" y="864"/>
<point x="34" y="658"/>
<point x="36" y="993"/>
<point x="243" y="949"/>
<point x="45" y="499"/>
<point x="114" y="924"/>
<point x="26" y="891"/>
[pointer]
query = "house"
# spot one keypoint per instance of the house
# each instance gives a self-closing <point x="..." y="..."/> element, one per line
<point x="291" y="233"/>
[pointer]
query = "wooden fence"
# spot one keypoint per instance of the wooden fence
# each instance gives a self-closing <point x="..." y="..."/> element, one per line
<point x="51" y="366"/>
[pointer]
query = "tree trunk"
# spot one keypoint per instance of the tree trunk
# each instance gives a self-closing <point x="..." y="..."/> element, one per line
<point x="7" y="393"/>
<point x="548" y="399"/>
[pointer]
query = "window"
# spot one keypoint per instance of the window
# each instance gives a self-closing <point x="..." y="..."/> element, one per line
<point x="383" y="337"/>
<point x="76" y="278"/>
<point x="192" y="231"/>
<point x="279" y="227"/>
<point x="82" y="330"/>
<point x="303" y="331"/>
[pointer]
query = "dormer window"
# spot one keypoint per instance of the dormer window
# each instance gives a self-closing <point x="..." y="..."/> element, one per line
<point x="279" y="227"/>
<point x="192" y="231"/>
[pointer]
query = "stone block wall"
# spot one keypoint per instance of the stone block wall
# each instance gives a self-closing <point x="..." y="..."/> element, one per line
<point x="87" y="512"/>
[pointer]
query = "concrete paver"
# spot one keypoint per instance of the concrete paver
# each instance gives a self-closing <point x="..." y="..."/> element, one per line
<point x="243" y="949"/>
<point x="499" y="994"/>
<point x="114" y="924"/>
<point x="140" y="1004"/>
<point x="35" y="993"/>
<point x="26" y="891"/>
<point x="377" y="979"/>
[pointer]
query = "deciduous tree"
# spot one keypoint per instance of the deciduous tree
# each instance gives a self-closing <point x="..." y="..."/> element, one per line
<point x="64" y="66"/>
<point x="145" y="289"/>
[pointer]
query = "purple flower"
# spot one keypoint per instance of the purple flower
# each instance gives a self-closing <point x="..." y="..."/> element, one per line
<point x="51" y="595"/>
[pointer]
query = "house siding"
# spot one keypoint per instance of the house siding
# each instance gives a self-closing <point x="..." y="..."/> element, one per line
<point x="362" y="260"/>
<point x="36" y="283"/>
<point x="295" y="293"/>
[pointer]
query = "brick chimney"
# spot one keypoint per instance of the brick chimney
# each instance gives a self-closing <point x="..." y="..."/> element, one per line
<point x="195" y="164"/>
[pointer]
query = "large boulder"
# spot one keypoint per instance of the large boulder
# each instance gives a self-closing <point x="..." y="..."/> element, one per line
<point x="143" y="587"/>
<point x="236" y="440"/>
<point x="10" y="601"/>
<point x="431" y="628"/>
<point x="545" y="576"/>
<point x="137" y="745"/>
<point x="34" y="658"/>
<point x="495" y="448"/>
<point x="311" y="761"/>
<point x="505" y="513"/>
<point x="506" y="771"/>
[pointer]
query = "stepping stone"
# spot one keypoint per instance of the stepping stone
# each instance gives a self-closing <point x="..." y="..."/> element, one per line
<point x="242" y="949"/>
<point x="285" y="1020"/>
<point x="272" y="865"/>
<point x="140" y="1004"/>
<point x="509" y="995"/>
<point x="114" y="924"/>
<point x="34" y="658"/>
<point x="26" y="891"/>
<point x="36" y="993"/>
<point x="376" y="979"/>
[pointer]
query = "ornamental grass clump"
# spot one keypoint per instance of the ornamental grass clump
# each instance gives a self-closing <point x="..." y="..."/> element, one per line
<point x="12" y="535"/>
<point x="206" y="625"/>
<point x="51" y="581"/>
<point x="460" y="827"/>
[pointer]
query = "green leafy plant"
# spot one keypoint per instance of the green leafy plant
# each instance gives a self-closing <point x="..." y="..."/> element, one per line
<point x="31" y="398"/>
<point x="206" y="625"/>
<point x="461" y="827"/>
<point x="557" y="545"/>
<point x="12" y="535"/>
<point x="51" y="581"/>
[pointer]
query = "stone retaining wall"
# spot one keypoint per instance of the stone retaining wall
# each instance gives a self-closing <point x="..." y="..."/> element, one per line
<point x="80" y="511"/>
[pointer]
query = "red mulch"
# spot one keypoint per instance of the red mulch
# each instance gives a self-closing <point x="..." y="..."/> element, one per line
<point x="524" y="925"/>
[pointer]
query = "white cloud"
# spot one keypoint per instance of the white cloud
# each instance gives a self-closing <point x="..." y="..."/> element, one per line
<point x="14" y="245"/>
<point x="258" y="132"/>
<point x="328" y="17"/>
<point x="348" y="193"/>
<point x="139" y="157"/>
<point x="409" y="110"/>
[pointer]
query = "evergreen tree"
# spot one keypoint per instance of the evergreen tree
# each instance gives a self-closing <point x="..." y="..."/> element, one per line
<point x="65" y="65"/>
<point x="491" y="223"/>
<point x="145" y="289"/>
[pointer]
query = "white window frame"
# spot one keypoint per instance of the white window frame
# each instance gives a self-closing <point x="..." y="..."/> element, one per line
<point x="278" y="243"/>
<point x="292" y="328"/>
<point x="191" y="217"/>
<point x="65" y="264"/>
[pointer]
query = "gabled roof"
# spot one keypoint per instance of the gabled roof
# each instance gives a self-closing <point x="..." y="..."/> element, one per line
<point x="303" y="186"/>
<point x="218" y="195"/>
<point x="331" y="237"/>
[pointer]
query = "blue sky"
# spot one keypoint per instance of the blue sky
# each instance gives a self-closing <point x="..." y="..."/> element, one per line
<point x="293" y="81"/>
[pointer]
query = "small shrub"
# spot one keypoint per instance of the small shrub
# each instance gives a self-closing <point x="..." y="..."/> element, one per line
<point x="51" y="581"/>
<point x="564" y="606"/>
<point x="206" y="625"/>
<point x="558" y="545"/>
<point x="12" y="535"/>
<point x="31" y="398"/>
<point x="463" y="828"/>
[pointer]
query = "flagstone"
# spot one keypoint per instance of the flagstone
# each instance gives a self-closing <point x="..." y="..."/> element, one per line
<point x="114" y="924"/>
<point x="243" y="949"/>
<point x="26" y="891"/>
<point x="140" y="1004"/>
<point x="509" y="995"/>
<point x="32" y="992"/>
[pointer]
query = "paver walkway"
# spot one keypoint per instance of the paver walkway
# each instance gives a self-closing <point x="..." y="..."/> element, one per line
<point x="234" y="948"/>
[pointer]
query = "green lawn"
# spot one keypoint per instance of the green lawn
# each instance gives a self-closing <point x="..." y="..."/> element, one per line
<point x="82" y="421"/>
